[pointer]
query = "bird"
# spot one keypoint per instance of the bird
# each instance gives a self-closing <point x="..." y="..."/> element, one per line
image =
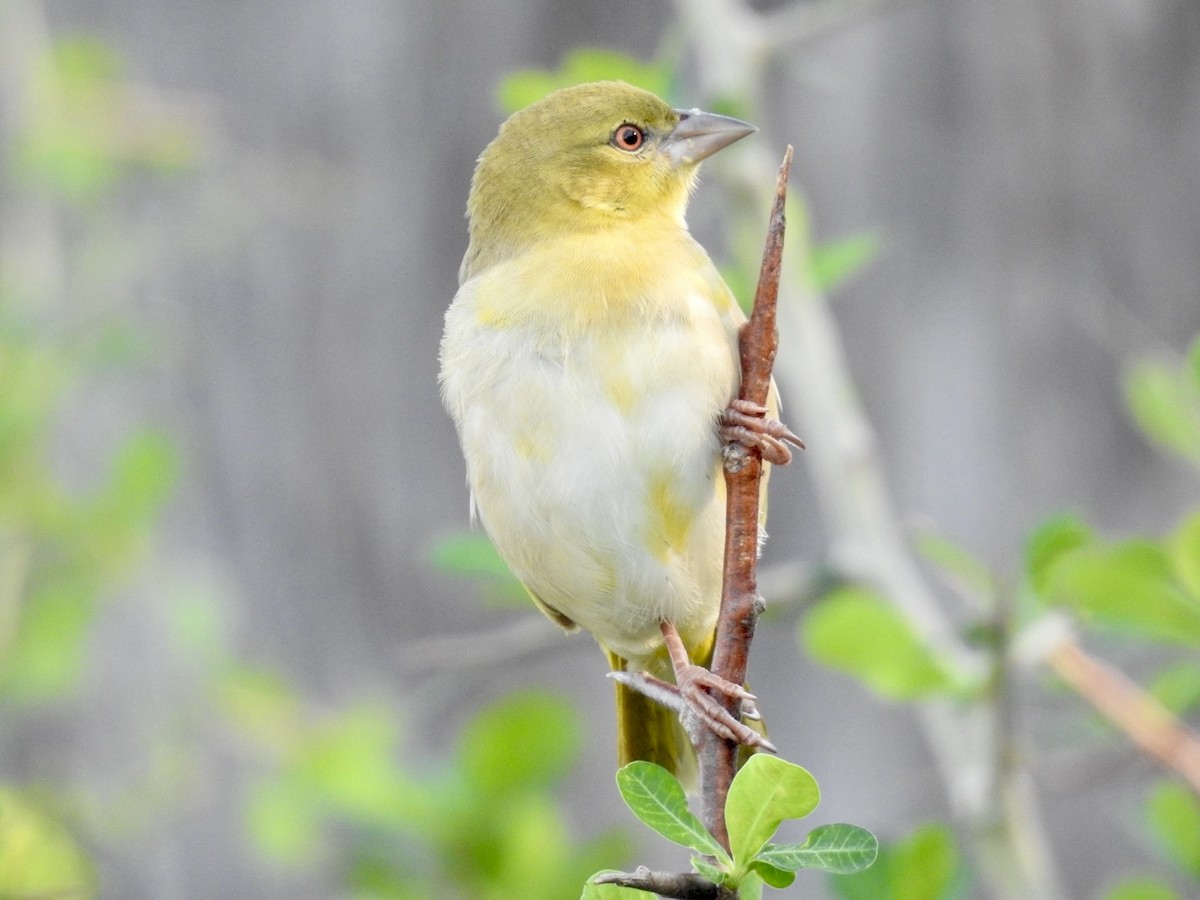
<point x="589" y="362"/>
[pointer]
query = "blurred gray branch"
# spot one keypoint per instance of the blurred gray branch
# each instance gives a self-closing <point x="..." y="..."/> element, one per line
<point x="865" y="534"/>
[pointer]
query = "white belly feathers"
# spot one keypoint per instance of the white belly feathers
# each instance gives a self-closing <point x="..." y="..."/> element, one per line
<point x="594" y="463"/>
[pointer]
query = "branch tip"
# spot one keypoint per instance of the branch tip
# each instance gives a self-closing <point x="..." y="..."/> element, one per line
<point x="681" y="886"/>
<point x="740" y="601"/>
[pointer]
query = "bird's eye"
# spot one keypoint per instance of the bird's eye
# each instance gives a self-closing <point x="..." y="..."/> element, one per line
<point x="628" y="137"/>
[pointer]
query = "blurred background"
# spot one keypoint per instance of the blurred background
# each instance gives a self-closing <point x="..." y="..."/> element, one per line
<point x="238" y="653"/>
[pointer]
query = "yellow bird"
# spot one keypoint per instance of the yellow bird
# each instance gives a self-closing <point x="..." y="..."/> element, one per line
<point x="590" y="365"/>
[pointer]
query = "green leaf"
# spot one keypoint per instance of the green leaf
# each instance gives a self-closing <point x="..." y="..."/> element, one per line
<point x="836" y="848"/>
<point x="1178" y="687"/>
<point x="1184" y="547"/>
<point x="711" y="871"/>
<point x="1141" y="889"/>
<point x="833" y="263"/>
<point x="658" y="799"/>
<point x="1129" y="587"/>
<point x="1173" y="813"/>
<point x="856" y="632"/>
<point x="957" y="563"/>
<point x="1049" y="542"/>
<point x="772" y="876"/>
<point x="528" y="739"/>
<point x="764" y="792"/>
<point x="612" y="892"/>
<point x="750" y="887"/>
<point x="472" y="555"/>
<point x="527" y="86"/>
<point x="1165" y="406"/>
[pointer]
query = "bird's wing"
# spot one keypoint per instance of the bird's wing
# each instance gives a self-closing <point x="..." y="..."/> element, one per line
<point x="550" y="612"/>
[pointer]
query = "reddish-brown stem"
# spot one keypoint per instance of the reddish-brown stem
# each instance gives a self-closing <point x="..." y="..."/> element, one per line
<point x="743" y="470"/>
<point x="1149" y="724"/>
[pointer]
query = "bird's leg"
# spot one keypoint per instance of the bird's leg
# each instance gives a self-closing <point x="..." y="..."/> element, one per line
<point x="695" y="685"/>
<point x="691" y="698"/>
<point x="746" y="423"/>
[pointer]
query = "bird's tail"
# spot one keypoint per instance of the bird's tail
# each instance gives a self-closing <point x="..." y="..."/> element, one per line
<point x="648" y="730"/>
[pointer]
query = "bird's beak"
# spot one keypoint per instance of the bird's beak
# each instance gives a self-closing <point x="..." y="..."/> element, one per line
<point x="701" y="134"/>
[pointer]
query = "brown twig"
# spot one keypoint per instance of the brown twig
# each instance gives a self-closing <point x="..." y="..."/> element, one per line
<point x="740" y="602"/>
<point x="680" y="886"/>
<point x="1145" y="721"/>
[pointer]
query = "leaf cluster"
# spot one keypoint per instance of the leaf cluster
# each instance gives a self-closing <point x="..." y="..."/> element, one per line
<point x="765" y="792"/>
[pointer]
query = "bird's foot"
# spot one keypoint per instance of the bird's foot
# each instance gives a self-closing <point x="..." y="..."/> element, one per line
<point x="746" y="423"/>
<point x="692" y="696"/>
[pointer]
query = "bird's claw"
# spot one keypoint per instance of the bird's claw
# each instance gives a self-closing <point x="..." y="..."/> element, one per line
<point x="693" y="696"/>
<point x="745" y="422"/>
<point x="703" y="710"/>
<point x="696" y="707"/>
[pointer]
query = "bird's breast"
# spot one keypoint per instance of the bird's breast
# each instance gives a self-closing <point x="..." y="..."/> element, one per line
<point x="589" y="434"/>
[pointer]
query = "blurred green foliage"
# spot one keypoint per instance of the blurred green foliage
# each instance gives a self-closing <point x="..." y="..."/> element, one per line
<point x="833" y="264"/>
<point x="38" y="856"/>
<point x="66" y="545"/>
<point x="1173" y="814"/>
<point x="1141" y="889"/>
<point x="1177" y="687"/>
<point x="856" y="631"/>
<point x="924" y="866"/>
<point x="334" y="790"/>
<point x="1138" y="588"/>
<point x="87" y="126"/>
<point x="521" y="88"/>
<point x="1164" y="400"/>
<point x="471" y="555"/>
<point x="1143" y="588"/>
<point x="334" y="794"/>
<point x="62" y="550"/>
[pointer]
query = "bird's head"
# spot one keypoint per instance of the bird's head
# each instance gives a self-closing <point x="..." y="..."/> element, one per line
<point x="585" y="158"/>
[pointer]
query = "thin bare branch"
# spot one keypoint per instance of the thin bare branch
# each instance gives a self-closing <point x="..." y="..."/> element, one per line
<point x="740" y="602"/>
<point x="1155" y="730"/>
